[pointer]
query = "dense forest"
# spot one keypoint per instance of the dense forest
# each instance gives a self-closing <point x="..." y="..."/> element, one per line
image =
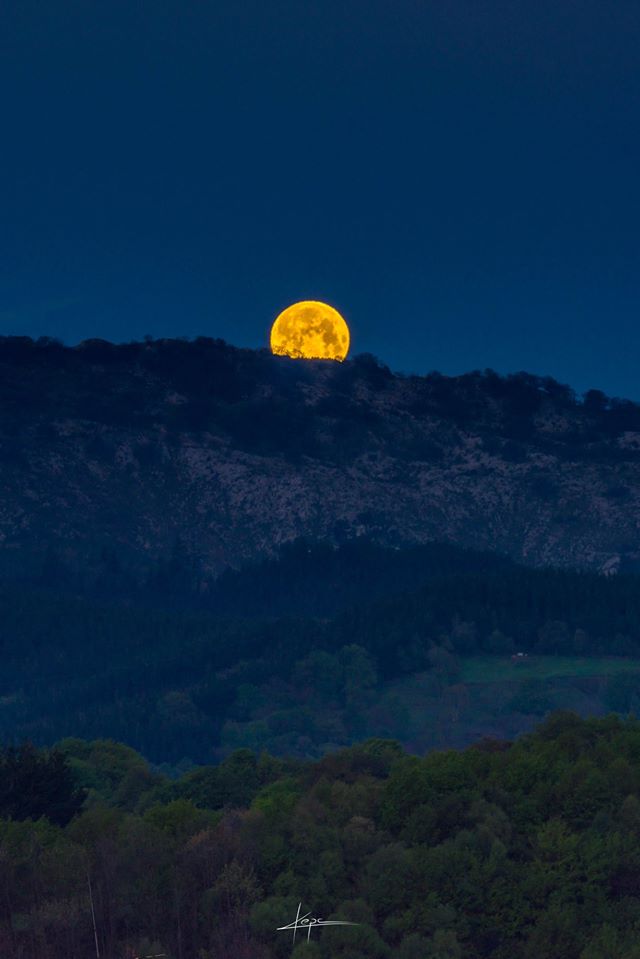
<point x="507" y="850"/>
<point x="310" y="651"/>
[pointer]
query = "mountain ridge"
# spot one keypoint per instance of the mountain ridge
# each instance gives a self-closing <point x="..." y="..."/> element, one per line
<point x="232" y="452"/>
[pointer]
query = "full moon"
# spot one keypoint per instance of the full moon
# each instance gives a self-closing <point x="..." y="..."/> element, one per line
<point x="310" y="330"/>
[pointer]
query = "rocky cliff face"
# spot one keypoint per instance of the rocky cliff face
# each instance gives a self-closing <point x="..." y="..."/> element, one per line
<point x="233" y="452"/>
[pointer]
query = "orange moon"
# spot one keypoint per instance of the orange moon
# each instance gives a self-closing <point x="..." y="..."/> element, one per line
<point x="310" y="330"/>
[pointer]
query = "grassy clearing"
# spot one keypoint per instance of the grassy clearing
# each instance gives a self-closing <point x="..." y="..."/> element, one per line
<point x="493" y="669"/>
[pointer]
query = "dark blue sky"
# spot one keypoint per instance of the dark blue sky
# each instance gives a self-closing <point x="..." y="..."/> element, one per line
<point x="458" y="177"/>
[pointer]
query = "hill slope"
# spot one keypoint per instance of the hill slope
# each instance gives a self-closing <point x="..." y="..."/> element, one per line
<point x="424" y="656"/>
<point x="228" y="453"/>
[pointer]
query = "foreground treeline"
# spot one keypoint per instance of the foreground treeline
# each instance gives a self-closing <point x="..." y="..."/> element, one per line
<point x="300" y="654"/>
<point x="524" y="850"/>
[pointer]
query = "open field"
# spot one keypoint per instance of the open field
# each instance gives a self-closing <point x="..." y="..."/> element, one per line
<point x="487" y="669"/>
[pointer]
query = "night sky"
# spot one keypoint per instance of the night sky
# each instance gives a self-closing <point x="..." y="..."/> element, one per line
<point x="459" y="179"/>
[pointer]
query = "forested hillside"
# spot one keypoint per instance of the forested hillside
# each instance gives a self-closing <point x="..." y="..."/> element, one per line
<point x="315" y="650"/>
<point x="523" y="850"/>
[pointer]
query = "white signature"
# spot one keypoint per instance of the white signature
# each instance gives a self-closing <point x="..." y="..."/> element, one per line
<point x="304" y="922"/>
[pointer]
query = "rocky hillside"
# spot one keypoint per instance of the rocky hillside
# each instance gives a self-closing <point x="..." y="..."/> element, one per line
<point x="132" y="449"/>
